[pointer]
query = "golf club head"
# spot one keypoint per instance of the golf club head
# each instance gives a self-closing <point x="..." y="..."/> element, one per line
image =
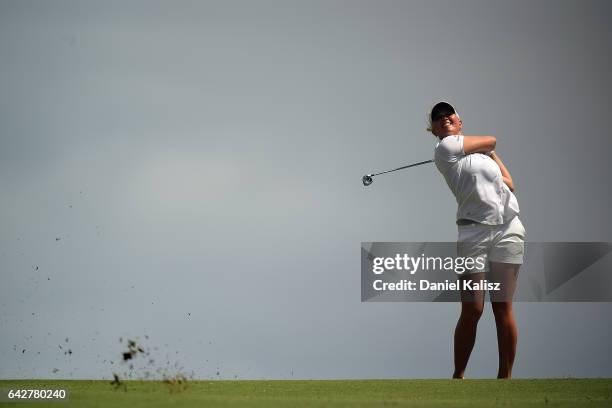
<point x="367" y="180"/>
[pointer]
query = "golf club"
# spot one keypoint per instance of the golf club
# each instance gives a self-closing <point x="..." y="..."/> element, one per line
<point x="367" y="179"/>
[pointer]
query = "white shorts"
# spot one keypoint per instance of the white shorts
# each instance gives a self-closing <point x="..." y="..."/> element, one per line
<point x="496" y="243"/>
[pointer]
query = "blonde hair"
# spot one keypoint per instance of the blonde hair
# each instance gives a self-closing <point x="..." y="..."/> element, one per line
<point x="428" y="121"/>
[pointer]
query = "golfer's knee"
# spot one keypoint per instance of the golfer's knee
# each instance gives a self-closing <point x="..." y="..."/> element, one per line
<point x="471" y="312"/>
<point x="502" y="310"/>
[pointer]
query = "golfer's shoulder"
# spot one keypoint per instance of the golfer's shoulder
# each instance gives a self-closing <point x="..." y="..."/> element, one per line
<point x="449" y="147"/>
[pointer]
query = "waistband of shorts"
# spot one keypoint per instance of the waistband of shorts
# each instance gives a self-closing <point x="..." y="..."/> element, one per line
<point x="465" y="221"/>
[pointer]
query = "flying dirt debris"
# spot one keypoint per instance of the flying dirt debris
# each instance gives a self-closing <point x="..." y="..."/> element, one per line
<point x="117" y="383"/>
<point x="176" y="383"/>
<point x="174" y="379"/>
<point x="133" y="349"/>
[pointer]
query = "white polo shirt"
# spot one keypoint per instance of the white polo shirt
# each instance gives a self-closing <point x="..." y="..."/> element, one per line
<point x="477" y="183"/>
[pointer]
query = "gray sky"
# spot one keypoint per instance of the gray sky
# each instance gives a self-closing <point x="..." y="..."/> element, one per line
<point x="190" y="171"/>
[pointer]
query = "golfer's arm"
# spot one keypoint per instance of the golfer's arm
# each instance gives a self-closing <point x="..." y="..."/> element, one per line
<point x="478" y="144"/>
<point x="504" y="171"/>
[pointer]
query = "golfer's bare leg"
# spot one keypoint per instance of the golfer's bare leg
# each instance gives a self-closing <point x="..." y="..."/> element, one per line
<point x="501" y="302"/>
<point x="472" y="304"/>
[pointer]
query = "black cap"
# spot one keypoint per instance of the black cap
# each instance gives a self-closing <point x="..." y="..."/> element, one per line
<point x="441" y="109"/>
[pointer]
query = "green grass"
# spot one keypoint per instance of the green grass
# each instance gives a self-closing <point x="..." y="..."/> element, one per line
<point x="363" y="393"/>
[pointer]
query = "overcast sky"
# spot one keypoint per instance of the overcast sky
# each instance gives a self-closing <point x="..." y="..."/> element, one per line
<point x="191" y="172"/>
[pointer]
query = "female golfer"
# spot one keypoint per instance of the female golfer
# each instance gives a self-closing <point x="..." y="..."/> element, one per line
<point x="489" y="227"/>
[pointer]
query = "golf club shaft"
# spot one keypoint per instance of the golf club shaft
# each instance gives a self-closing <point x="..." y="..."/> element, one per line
<point x="403" y="167"/>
